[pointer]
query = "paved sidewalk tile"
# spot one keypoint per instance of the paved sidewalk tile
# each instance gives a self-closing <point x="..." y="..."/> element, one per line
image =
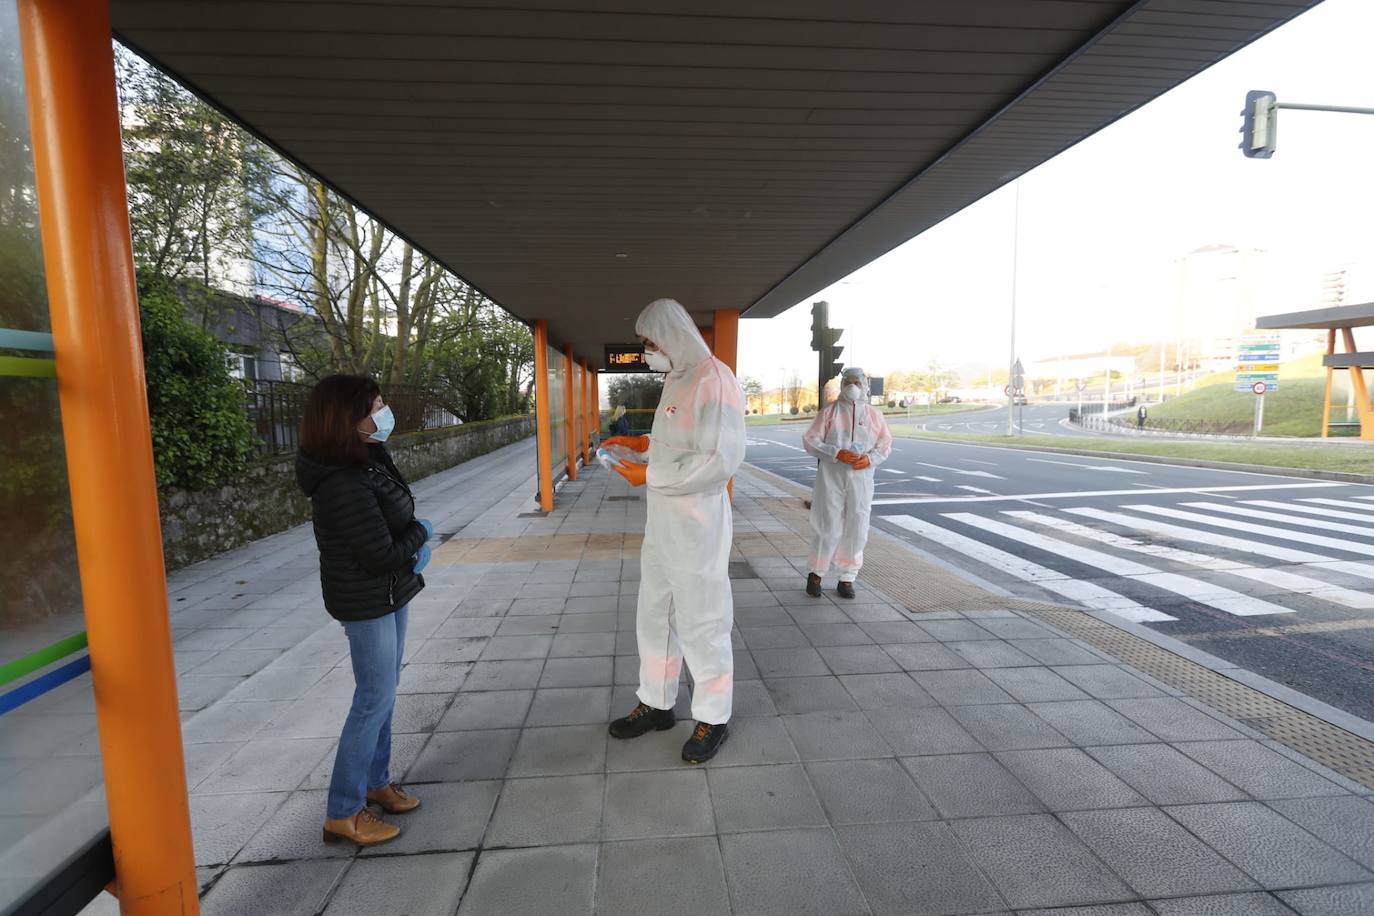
<point x="916" y="868"/>
<point x="790" y="873"/>
<point x="545" y="881"/>
<point x="1035" y="861"/>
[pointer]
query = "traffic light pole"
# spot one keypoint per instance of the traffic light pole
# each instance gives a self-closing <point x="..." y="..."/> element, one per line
<point x="1011" y="360"/>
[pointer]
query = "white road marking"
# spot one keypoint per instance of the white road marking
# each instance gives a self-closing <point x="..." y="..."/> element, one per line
<point x="1266" y="530"/>
<point x="1226" y="541"/>
<point x="1208" y="593"/>
<point x="1081" y="494"/>
<point x="1085" y="593"/>
<point x="1347" y="503"/>
<point x="1088" y="467"/>
<point x="960" y="471"/>
<point x="889" y="470"/>
<point x="976" y="461"/>
<point x="964" y="486"/>
<point x="1292" y="582"/>
<point x="1298" y="520"/>
<point x="1312" y="510"/>
<point x="928" y="479"/>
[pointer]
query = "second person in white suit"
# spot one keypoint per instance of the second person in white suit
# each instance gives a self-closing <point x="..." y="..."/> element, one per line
<point x="685" y="608"/>
<point x="851" y="438"/>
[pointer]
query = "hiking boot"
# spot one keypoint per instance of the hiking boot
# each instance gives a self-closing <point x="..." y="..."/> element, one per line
<point x="363" y="828"/>
<point x="845" y="589"/>
<point x="705" y="741"/>
<point x="641" y="720"/>
<point x="813" y="585"/>
<point x="393" y="799"/>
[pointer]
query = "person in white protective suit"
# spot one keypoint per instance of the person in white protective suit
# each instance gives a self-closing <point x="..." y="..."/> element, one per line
<point x="685" y="607"/>
<point x="851" y="438"/>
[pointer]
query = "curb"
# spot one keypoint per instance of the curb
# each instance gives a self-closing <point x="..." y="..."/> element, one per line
<point x="1269" y="470"/>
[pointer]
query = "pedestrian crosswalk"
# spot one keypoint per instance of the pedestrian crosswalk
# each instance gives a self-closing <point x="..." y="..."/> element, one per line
<point x="1151" y="562"/>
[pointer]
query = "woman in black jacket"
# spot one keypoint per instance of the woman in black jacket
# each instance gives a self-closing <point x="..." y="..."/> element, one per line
<point x="371" y="551"/>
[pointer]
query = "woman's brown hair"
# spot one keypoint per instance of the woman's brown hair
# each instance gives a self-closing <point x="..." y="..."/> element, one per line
<point x="333" y="410"/>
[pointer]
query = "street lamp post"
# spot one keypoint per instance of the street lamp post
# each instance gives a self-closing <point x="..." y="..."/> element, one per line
<point x="1011" y="359"/>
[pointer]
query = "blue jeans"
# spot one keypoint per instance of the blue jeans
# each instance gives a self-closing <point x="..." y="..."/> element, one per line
<point x="364" y="757"/>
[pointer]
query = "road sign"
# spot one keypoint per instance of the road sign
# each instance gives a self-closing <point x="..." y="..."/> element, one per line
<point x="1006" y="389"/>
<point x="1257" y="362"/>
<point x="1259" y="388"/>
<point x="1249" y="387"/>
<point x="1081" y="385"/>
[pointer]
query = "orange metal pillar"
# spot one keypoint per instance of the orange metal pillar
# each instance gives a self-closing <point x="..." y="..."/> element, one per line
<point x="93" y="301"/>
<point x="596" y="400"/>
<point x="725" y="337"/>
<point x="1326" y="402"/>
<point x="1362" y="403"/>
<point x="724" y="344"/>
<point x="570" y="368"/>
<point x="587" y="427"/>
<point x="543" y="420"/>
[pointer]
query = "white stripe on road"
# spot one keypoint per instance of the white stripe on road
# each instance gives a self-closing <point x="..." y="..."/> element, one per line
<point x="964" y="486"/>
<point x="1273" y="551"/>
<point x="960" y="471"/>
<point x="1282" y="534"/>
<point x="1208" y="593"/>
<point x="928" y="479"/>
<point x="1312" y="510"/>
<point x="1085" y="593"/>
<point x="1301" y="585"/>
<point x="1300" y="521"/>
<point x="1346" y="503"/>
<point x="889" y="470"/>
<point x="1082" y="494"/>
<point x="1088" y="467"/>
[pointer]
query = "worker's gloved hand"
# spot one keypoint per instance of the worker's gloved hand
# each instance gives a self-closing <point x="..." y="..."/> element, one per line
<point x="637" y="474"/>
<point x="422" y="558"/>
<point x="633" y="443"/>
<point x="862" y="463"/>
<point x="846" y="456"/>
<point x="428" y="526"/>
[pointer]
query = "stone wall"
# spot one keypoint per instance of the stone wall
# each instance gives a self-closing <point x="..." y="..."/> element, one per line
<point x="264" y="500"/>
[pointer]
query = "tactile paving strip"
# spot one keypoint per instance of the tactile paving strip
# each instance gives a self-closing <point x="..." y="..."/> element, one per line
<point x="923" y="587"/>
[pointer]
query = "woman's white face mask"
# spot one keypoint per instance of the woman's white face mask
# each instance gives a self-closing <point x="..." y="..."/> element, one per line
<point x="852" y="393"/>
<point x="658" y="361"/>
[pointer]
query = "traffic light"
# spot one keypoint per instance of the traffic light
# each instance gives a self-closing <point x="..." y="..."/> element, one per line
<point x="819" y="316"/>
<point x="830" y="354"/>
<point x="1259" y="135"/>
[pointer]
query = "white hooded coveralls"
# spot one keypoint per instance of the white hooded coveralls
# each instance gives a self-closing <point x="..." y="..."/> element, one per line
<point x="843" y="497"/>
<point x="696" y="446"/>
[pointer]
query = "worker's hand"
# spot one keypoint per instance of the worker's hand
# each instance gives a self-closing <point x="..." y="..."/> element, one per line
<point x="845" y="456"/>
<point x="633" y="443"/>
<point x="862" y="463"/>
<point x="637" y="474"/>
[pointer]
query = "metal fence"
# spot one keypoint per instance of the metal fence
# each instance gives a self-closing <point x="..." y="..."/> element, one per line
<point x="275" y="409"/>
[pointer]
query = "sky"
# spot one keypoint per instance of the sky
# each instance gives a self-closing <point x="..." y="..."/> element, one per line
<point x="1102" y="224"/>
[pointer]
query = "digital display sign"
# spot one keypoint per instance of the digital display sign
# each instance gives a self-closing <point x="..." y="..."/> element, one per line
<point x="625" y="358"/>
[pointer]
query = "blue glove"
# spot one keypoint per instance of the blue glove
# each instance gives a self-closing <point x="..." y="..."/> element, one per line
<point x="422" y="559"/>
<point x="428" y="526"/>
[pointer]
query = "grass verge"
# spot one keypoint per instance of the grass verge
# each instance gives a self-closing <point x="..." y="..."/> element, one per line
<point x="1341" y="459"/>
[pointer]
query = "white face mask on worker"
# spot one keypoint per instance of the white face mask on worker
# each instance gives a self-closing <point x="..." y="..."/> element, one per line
<point x="658" y="361"/>
<point x="852" y="393"/>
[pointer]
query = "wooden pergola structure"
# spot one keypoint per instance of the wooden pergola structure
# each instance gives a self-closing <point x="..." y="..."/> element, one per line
<point x="1344" y="319"/>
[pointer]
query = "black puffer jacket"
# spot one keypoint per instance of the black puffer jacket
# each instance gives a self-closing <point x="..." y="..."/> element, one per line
<point x="367" y="534"/>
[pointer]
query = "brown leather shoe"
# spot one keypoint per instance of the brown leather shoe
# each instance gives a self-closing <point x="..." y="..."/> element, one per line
<point x="363" y="828"/>
<point x="393" y="799"/>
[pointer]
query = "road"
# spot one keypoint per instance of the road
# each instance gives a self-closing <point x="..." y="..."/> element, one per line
<point x="1032" y="419"/>
<point x="1273" y="573"/>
